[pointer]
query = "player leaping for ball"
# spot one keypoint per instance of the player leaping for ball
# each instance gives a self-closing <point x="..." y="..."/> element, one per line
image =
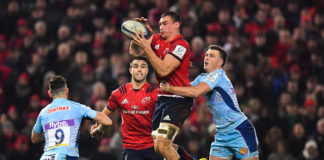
<point x="235" y="134"/>
<point x="169" y="54"/>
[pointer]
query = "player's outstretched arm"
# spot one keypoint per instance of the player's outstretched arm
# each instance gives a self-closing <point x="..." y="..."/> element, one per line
<point x="134" y="49"/>
<point x="162" y="67"/>
<point x="103" y="119"/>
<point x="97" y="130"/>
<point x="189" y="91"/>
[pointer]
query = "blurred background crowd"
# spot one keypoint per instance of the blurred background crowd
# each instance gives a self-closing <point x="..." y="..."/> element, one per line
<point x="275" y="61"/>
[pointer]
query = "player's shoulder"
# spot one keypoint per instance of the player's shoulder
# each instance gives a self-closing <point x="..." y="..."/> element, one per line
<point x="43" y="111"/>
<point x="215" y="77"/>
<point x="157" y="36"/>
<point x="203" y="74"/>
<point x="180" y="40"/>
<point x="76" y="103"/>
<point x="121" y="90"/>
<point x="150" y="88"/>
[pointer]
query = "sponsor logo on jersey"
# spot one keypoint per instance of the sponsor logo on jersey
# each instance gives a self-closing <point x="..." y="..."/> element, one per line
<point x="58" y="124"/>
<point x="179" y="51"/>
<point x="134" y="107"/>
<point x="136" y="111"/>
<point x="61" y="108"/>
<point x="146" y="100"/>
<point x="232" y="89"/>
<point x="167" y="117"/>
<point x="217" y="150"/>
<point x="157" y="46"/>
<point x="49" y="157"/>
<point x="212" y="77"/>
<point x="218" y="97"/>
<point x="124" y="101"/>
<point x="243" y="151"/>
<point x="166" y="51"/>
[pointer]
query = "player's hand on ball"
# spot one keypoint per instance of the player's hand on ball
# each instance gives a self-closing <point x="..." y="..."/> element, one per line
<point x="164" y="86"/>
<point x="144" y="21"/>
<point x="136" y="50"/>
<point x="96" y="131"/>
<point x="141" y="41"/>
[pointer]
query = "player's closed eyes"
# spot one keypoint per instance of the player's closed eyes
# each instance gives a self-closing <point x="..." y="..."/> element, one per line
<point x="210" y="55"/>
<point x="163" y="23"/>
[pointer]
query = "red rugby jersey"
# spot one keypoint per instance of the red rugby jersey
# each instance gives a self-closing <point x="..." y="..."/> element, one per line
<point x="178" y="48"/>
<point x="136" y="108"/>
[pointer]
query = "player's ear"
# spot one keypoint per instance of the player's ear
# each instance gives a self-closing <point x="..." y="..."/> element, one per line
<point x="49" y="93"/>
<point x="177" y="24"/>
<point x="130" y="70"/>
<point x="67" y="91"/>
<point x="220" y="62"/>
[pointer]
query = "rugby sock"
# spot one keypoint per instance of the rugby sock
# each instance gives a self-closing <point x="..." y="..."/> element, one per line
<point x="184" y="155"/>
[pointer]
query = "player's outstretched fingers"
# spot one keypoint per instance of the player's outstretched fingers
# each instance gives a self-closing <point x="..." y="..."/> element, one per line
<point x="97" y="133"/>
<point x="135" y="40"/>
<point x="137" y="36"/>
<point x="142" y="34"/>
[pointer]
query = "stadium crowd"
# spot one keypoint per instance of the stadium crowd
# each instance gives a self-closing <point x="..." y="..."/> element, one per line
<point x="276" y="64"/>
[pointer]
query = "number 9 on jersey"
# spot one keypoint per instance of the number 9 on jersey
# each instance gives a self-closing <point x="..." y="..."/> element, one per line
<point x="59" y="136"/>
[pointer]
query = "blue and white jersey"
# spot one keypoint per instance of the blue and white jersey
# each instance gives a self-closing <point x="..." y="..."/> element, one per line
<point x="60" y="121"/>
<point x="222" y="101"/>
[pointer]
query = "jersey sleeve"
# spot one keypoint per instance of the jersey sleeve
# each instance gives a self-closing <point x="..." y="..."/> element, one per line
<point x="212" y="79"/>
<point x="196" y="81"/>
<point x="112" y="103"/>
<point x="87" y="112"/>
<point x="179" y="50"/>
<point x="38" y="125"/>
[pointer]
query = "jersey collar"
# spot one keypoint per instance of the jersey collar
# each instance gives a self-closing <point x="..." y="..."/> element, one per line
<point x="179" y="36"/>
<point x="218" y="71"/>
<point x="129" y="85"/>
<point x="59" y="99"/>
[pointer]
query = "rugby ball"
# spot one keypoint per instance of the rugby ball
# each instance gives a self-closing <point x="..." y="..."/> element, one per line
<point x="129" y="28"/>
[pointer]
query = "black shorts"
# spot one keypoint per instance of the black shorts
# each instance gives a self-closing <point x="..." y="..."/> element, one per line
<point x="171" y="110"/>
<point x="143" y="154"/>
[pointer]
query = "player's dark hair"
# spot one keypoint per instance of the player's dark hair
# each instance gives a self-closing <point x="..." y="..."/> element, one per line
<point x="57" y="84"/>
<point x="175" y="17"/>
<point x="221" y="51"/>
<point x="139" y="58"/>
